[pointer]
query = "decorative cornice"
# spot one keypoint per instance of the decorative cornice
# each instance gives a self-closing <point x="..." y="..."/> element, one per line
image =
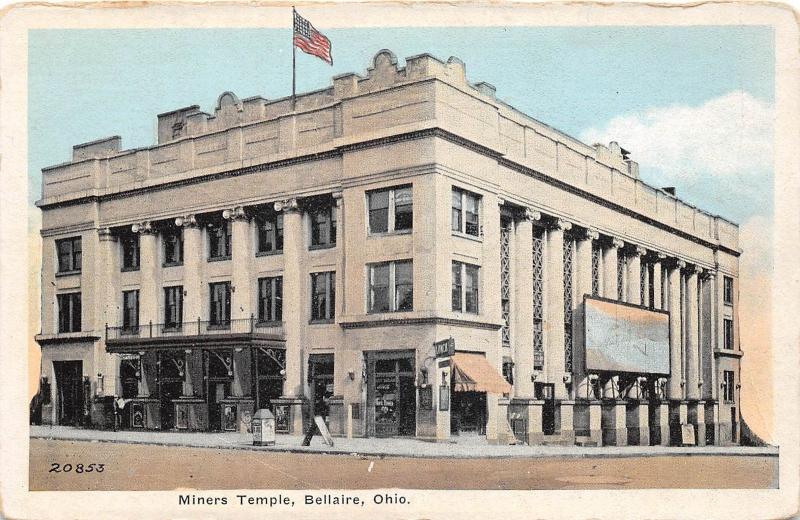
<point x="62" y="230"/>
<point x="392" y="322"/>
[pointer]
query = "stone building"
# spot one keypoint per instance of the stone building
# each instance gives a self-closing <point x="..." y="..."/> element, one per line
<point x="401" y="253"/>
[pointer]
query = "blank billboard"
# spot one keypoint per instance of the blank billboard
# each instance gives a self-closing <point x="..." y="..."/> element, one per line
<point x="625" y="338"/>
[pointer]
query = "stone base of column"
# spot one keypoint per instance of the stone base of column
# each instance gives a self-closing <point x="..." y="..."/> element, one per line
<point x="296" y="408"/>
<point x="595" y="423"/>
<point x="337" y="416"/>
<point x="701" y="423"/>
<point x="644" y="423"/>
<point x="663" y="423"/>
<point x="567" y="428"/>
<point x="620" y="423"/>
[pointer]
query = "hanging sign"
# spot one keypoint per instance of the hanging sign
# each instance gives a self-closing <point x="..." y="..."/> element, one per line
<point x="444" y="348"/>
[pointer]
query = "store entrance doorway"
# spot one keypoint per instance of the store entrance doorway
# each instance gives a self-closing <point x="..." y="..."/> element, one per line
<point x="391" y="393"/>
<point x="69" y="392"/>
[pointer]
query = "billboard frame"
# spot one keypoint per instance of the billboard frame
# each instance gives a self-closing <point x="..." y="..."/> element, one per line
<point x="588" y="296"/>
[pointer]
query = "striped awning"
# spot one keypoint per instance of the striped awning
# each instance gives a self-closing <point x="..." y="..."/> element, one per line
<point x="473" y="373"/>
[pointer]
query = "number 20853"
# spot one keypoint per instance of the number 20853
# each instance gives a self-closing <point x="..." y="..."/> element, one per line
<point x="76" y="468"/>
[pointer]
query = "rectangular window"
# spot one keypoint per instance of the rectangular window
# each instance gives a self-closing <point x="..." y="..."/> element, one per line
<point x="465" y="287"/>
<point x="323" y="296"/>
<point x="130" y="253"/>
<point x="466" y="212"/>
<point x="173" y="307"/>
<point x="323" y="226"/>
<point x="130" y="310"/>
<point x="69" y="312"/>
<point x="69" y="254"/>
<point x="173" y="248"/>
<point x="270" y="299"/>
<point x="730" y="385"/>
<point x="727" y="290"/>
<point x="390" y="210"/>
<point x="219" y="304"/>
<point x="391" y="287"/>
<point x="270" y="234"/>
<point x="727" y="333"/>
<point x="219" y="241"/>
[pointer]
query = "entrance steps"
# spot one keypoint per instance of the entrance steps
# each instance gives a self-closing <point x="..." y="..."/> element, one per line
<point x="585" y="441"/>
<point x="556" y="440"/>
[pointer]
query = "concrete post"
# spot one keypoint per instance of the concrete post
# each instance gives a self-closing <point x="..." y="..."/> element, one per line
<point x="554" y="351"/>
<point x="610" y="256"/>
<point x="634" y="276"/>
<point x="692" y="336"/>
<point x="675" y="383"/>
<point x="192" y="268"/>
<point x="583" y="286"/>
<point x="523" y="304"/>
<point x="242" y="256"/>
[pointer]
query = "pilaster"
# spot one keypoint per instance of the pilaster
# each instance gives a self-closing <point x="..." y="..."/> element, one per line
<point x="192" y="267"/>
<point x="554" y="351"/>
<point x="583" y="286"/>
<point x="242" y="259"/>
<point x="675" y="373"/>
<point x="293" y="311"/>
<point x="148" y="262"/>
<point x="523" y="304"/>
<point x="692" y="335"/>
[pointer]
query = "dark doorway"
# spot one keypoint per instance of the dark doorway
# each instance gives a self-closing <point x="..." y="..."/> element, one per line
<point x="391" y="393"/>
<point x="171" y="369"/>
<point x="468" y="413"/>
<point x="654" y="421"/>
<point x="269" y="381"/>
<point x="69" y="391"/>
<point x="546" y="392"/>
<point x="219" y="372"/>
<point x="320" y="373"/>
<point x="734" y="425"/>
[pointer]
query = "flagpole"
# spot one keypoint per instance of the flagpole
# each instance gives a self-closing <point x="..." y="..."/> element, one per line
<point x="294" y="60"/>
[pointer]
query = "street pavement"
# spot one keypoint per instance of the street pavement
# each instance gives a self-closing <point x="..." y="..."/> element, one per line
<point x="131" y="466"/>
<point x="460" y="447"/>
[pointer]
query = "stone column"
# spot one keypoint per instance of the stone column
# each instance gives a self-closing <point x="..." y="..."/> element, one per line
<point x="294" y="289"/>
<point x="692" y="336"/>
<point x="675" y="374"/>
<point x="554" y="351"/>
<point x="241" y="258"/>
<point x="148" y="262"/>
<point x="634" y="276"/>
<point x="663" y="422"/>
<point x="106" y="268"/>
<point x="658" y="302"/>
<point x="583" y="285"/>
<point x="701" y="423"/>
<point x="644" y="423"/>
<point x="523" y="304"/>
<point x="341" y="301"/>
<point x="595" y="422"/>
<point x="621" y="423"/>
<point x="610" y="256"/>
<point x="192" y="269"/>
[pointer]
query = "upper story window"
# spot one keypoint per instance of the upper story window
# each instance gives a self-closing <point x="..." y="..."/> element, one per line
<point x="727" y="290"/>
<point x="130" y="309"/>
<point x="391" y="287"/>
<point x="219" y="241"/>
<point x="323" y="296"/>
<point x="270" y="233"/>
<point x="390" y="210"/>
<point x="270" y="299"/>
<point x="729" y="385"/>
<point x="69" y="312"/>
<point x="466" y="212"/>
<point x="69" y="254"/>
<point x="323" y="226"/>
<point x="173" y="307"/>
<point x="130" y="252"/>
<point x="465" y="287"/>
<point x="173" y="247"/>
<point x="727" y="333"/>
<point x="219" y="308"/>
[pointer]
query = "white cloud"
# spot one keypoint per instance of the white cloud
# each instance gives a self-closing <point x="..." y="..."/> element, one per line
<point x="728" y="136"/>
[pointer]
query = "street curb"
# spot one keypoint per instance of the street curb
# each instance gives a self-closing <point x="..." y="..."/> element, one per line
<point x="589" y="454"/>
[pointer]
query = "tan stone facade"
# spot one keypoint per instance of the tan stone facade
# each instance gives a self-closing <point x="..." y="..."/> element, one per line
<point x="195" y="340"/>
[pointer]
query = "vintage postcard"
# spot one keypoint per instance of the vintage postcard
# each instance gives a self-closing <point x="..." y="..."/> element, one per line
<point x="399" y="260"/>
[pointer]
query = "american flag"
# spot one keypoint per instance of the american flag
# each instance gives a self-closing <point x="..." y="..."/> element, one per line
<point x="310" y="40"/>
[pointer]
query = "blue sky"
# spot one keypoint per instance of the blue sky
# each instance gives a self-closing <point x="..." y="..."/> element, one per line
<point x="86" y="84"/>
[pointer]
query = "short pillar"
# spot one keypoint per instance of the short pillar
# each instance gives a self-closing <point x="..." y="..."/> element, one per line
<point x="663" y="422"/>
<point x="567" y="421"/>
<point x="701" y="423"/>
<point x="595" y="418"/>
<point x="644" y="424"/>
<point x="535" y="432"/>
<point x="620" y="428"/>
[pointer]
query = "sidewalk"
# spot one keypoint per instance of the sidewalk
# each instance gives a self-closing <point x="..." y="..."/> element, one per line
<point x="463" y="447"/>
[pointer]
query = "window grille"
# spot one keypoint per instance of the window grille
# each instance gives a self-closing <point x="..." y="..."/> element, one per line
<point x="643" y="283"/>
<point x="595" y="269"/>
<point x="505" y="281"/>
<point x="538" y="297"/>
<point x="569" y="247"/>
<point x="620" y="275"/>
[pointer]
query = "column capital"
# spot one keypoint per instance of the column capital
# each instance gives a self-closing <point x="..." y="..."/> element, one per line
<point x="144" y="228"/>
<point x="636" y="250"/>
<point x="287" y="205"/>
<point x="680" y="264"/>
<point x="234" y="214"/>
<point x="590" y="234"/>
<point x="105" y="235"/>
<point x="692" y="269"/>
<point x="660" y="257"/>
<point x="186" y="221"/>
<point x="337" y="197"/>
<point x="709" y="274"/>
<point x="561" y="224"/>
<point x="531" y="215"/>
<point x="616" y="243"/>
